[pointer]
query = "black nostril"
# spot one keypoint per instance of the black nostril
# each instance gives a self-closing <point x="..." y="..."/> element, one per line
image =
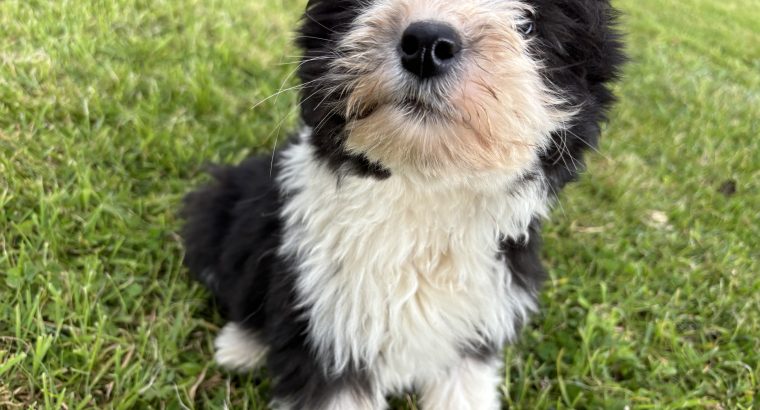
<point x="444" y="50"/>
<point x="427" y="48"/>
<point x="410" y="45"/>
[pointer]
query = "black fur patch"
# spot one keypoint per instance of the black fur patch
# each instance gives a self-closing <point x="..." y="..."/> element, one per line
<point x="323" y="24"/>
<point x="523" y="258"/>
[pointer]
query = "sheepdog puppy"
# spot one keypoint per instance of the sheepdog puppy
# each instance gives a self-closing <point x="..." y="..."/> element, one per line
<point x="393" y="244"/>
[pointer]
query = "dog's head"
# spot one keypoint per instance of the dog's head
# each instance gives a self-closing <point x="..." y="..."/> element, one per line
<point x="455" y="86"/>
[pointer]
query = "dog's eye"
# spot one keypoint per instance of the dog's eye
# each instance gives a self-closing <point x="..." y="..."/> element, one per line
<point x="527" y="28"/>
<point x="528" y="25"/>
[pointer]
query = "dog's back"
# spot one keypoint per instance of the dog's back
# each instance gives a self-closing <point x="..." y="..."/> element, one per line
<point x="231" y="233"/>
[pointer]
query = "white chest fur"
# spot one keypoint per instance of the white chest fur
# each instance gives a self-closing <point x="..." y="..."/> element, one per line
<point x="398" y="276"/>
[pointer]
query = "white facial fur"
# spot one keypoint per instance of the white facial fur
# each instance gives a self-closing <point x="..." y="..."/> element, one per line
<point x="492" y="112"/>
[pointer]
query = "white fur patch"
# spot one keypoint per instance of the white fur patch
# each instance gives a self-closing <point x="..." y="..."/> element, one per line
<point x="402" y="274"/>
<point x="237" y="349"/>
<point x="345" y="400"/>
<point x="469" y="386"/>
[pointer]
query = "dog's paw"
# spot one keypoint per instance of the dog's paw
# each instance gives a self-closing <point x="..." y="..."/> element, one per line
<point x="238" y="349"/>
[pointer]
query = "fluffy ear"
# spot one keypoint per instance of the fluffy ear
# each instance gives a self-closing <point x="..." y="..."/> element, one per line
<point x="322" y="24"/>
<point x="582" y="52"/>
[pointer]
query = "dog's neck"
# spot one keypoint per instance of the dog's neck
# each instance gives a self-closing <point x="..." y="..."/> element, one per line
<point x="441" y="182"/>
<point x="510" y="200"/>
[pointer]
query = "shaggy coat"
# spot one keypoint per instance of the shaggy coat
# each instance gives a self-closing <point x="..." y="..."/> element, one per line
<point x="393" y="244"/>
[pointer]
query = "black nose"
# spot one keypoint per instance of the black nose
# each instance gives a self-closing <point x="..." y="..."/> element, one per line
<point x="428" y="48"/>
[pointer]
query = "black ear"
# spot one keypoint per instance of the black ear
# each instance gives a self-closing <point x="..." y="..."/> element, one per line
<point x="323" y="24"/>
<point x="582" y="51"/>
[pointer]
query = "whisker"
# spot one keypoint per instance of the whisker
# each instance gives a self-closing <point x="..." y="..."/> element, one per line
<point x="320" y="39"/>
<point x="595" y="149"/>
<point x="320" y="24"/>
<point x="295" y="87"/>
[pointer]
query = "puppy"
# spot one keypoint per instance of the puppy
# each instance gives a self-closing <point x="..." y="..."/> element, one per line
<point x="393" y="244"/>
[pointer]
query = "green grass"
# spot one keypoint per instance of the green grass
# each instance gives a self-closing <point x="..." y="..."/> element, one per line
<point x="108" y="109"/>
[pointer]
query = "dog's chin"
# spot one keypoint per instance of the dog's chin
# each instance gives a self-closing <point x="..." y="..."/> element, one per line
<point x="402" y="119"/>
<point x="412" y="136"/>
<point x="419" y="110"/>
<point x="414" y="110"/>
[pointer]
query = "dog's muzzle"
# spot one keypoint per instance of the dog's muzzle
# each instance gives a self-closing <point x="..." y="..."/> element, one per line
<point x="429" y="48"/>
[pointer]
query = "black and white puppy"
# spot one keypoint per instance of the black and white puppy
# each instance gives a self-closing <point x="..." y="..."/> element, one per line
<point x="394" y="243"/>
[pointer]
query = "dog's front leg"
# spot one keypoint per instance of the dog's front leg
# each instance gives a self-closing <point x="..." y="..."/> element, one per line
<point x="343" y="399"/>
<point x="471" y="385"/>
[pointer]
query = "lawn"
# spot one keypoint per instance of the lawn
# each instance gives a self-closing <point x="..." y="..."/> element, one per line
<point x="109" y="109"/>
